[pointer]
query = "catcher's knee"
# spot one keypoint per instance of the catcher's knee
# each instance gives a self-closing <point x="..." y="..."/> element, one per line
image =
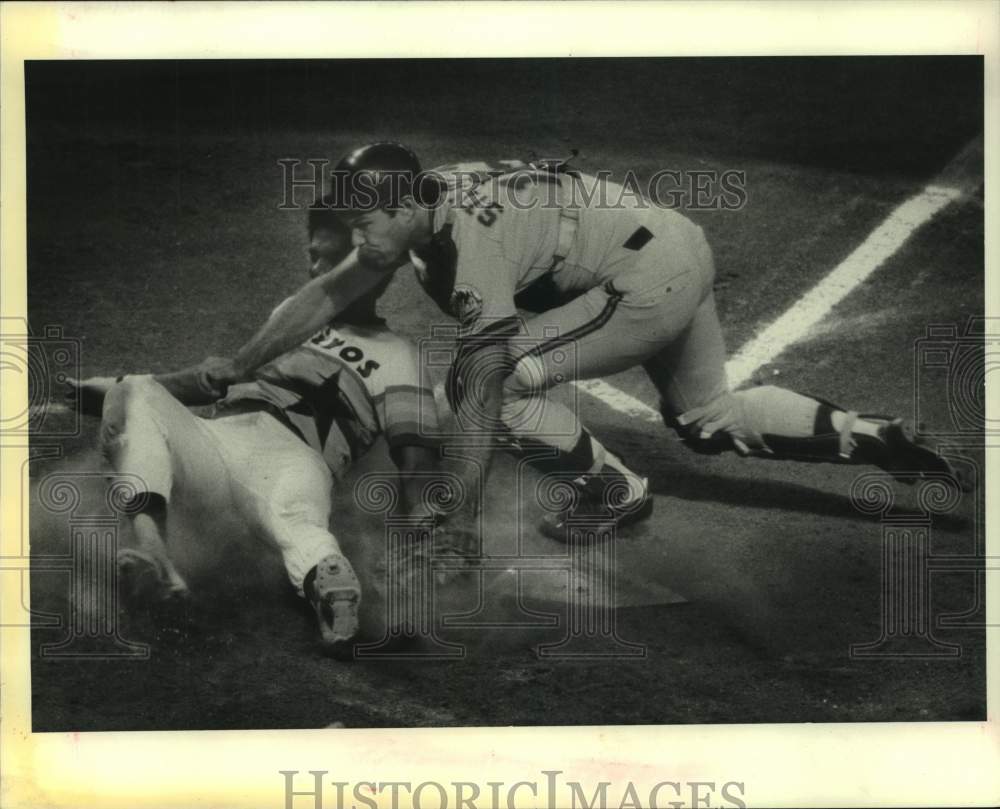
<point x="524" y="391"/>
<point x="716" y="427"/>
<point x="526" y="379"/>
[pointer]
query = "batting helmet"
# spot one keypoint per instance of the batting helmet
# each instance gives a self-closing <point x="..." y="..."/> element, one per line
<point x="378" y="175"/>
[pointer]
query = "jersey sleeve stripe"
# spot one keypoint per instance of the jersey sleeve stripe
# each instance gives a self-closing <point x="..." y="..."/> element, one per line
<point x="412" y="390"/>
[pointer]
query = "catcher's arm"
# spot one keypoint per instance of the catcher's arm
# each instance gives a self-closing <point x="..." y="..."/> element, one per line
<point x="302" y="315"/>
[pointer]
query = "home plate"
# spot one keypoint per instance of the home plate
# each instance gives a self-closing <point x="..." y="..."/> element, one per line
<point x="549" y="574"/>
<point x="594" y="586"/>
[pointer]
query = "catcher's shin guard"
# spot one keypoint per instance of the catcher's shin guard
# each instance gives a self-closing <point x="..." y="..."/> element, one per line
<point x="333" y="590"/>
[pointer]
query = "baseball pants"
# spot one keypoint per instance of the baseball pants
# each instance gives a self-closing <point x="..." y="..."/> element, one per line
<point x="248" y="465"/>
<point x="661" y="315"/>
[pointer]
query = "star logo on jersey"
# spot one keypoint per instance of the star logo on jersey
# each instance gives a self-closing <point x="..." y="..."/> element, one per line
<point x="466" y="304"/>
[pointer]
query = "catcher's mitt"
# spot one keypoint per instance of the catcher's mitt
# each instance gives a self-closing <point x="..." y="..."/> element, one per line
<point x="443" y="552"/>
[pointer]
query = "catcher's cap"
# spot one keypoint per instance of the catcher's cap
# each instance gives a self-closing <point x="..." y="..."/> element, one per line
<point x="378" y="175"/>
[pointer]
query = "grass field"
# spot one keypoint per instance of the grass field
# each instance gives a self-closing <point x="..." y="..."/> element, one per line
<point x="155" y="238"/>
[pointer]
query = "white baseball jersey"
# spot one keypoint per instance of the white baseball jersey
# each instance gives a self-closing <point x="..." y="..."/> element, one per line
<point x="498" y="234"/>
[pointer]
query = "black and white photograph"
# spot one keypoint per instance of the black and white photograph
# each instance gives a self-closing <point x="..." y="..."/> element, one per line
<point x="638" y="518"/>
<point x="505" y="391"/>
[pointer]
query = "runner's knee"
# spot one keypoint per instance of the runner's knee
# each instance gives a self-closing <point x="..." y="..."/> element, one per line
<point x="132" y="388"/>
<point x="120" y="404"/>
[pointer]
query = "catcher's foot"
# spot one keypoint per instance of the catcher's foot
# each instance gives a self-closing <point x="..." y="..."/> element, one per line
<point x="898" y="452"/>
<point x="334" y="592"/>
<point x="606" y="502"/>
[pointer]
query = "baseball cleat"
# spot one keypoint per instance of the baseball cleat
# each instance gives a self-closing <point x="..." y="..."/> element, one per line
<point x="899" y="453"/>
<point x="607" y="502"/>
<point x="333" y="590"/>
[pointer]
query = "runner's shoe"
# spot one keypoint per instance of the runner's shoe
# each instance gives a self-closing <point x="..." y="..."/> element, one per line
<point x="333" y="590"/>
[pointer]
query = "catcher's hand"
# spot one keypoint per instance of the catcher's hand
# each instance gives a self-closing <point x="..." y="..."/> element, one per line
<point x="90" y="393"/>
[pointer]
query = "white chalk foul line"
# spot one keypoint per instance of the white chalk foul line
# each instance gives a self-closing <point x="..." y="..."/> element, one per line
<point x="812" y="307"/>
<point x="618" y="400"/>
<point x="49" y="409"/>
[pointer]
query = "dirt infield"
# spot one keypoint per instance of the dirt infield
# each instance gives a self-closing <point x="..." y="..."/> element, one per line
<point x="155" y="237"/>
